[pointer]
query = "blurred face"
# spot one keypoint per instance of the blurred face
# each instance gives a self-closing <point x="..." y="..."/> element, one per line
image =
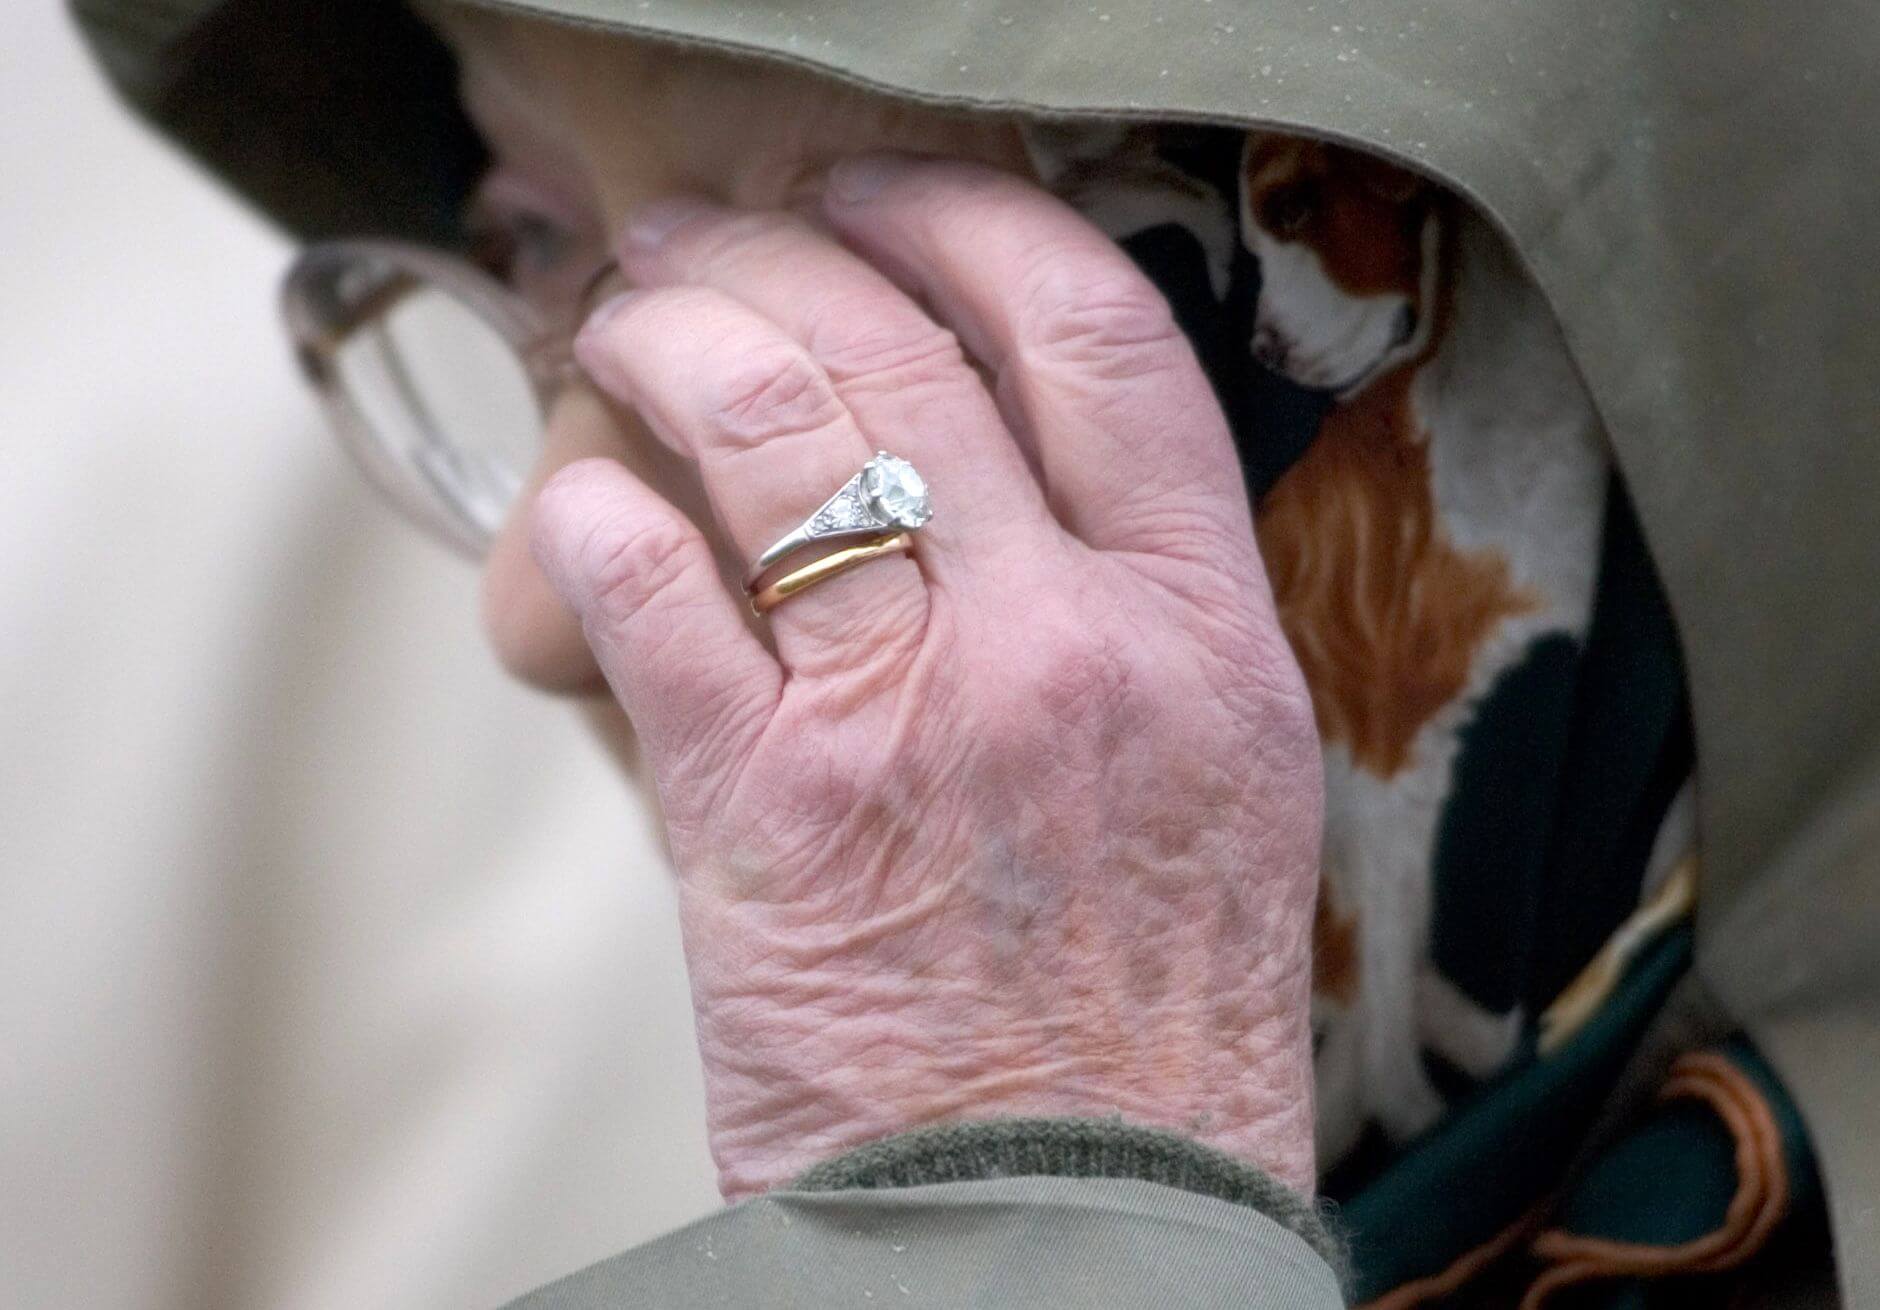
<point x="582" y="128"/>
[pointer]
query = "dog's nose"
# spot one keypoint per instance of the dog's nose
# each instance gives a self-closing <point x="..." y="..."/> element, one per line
<point x="1269" y="349"/>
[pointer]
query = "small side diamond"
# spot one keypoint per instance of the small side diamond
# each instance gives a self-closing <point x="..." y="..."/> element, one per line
<point x="847" y="512"/>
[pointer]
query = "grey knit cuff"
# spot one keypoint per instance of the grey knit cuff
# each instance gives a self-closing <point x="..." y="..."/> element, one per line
<point x="1072" y="1148"/>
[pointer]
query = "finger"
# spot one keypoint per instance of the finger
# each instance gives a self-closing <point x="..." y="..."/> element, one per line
<point x="726" y="387"/>
<point x="696" y="682"/>
<point x="901" y="375"/>
<point x="538" y="638"/>
<point x="1134" y="451"/>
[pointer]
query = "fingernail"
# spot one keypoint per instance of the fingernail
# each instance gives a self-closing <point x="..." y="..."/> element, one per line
<point x="587" y="349"/>
<point x="608" y="310"/>
<point x="651" y="223"/>
<point x="861" y="177"/>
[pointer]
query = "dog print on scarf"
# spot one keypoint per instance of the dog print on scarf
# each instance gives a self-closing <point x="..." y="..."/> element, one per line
<point x="1432" y="530"/>
<point x="1445" y="519"/>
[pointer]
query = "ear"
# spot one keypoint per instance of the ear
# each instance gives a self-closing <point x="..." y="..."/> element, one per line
<point x="1272" y="152"/>
<point x="1386" y="180"/>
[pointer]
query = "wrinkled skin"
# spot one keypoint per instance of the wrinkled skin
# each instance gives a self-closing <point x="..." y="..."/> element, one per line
<point x="1025" y="824"/>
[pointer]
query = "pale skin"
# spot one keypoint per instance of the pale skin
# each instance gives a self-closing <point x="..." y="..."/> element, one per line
<point x="1024" y="824"/>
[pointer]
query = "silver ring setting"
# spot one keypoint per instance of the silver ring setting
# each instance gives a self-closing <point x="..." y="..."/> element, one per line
<point x="888" y="495"/>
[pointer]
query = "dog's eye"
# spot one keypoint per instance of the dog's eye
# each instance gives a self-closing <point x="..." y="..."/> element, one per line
<point x="1288" y="209"/>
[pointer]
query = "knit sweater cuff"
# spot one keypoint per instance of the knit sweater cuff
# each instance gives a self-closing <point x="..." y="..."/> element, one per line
<point x="1072" y="1148"/>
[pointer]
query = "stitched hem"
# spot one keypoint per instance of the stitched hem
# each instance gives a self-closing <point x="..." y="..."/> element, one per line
<point x="1074" y="1148"/>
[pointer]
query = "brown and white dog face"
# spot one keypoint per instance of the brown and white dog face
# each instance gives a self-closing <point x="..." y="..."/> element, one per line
<point x="1347" y="246"/>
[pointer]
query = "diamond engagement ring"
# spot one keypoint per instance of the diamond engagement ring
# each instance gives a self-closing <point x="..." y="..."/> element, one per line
<point x="887" y="496"/>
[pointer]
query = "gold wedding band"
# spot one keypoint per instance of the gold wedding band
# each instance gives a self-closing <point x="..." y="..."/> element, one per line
<point x="766" y="599"/>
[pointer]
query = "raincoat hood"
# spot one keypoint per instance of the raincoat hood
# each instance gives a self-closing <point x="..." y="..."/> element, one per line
<point x="1694" y="190"/>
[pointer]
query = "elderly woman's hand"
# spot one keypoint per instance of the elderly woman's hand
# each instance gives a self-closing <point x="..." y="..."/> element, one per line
<point x="1025" y="824"/>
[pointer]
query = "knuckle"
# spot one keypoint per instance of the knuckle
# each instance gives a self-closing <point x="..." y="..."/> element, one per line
<point x="957" y="195"/>
<point x="857" y="337"/>
<point x="1179" y="527"/>
<point x="1079" y="677"/>
<point x="769" y="391"/>
<point x="1084" y="685"/>
<point x="629" y="565"/>
<point x="733" y="238"/>
<point x="1085" y="313"/>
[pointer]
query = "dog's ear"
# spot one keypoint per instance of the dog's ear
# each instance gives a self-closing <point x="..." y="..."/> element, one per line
<point x="1386" y="180"/>
<point x="1277" y="154"/>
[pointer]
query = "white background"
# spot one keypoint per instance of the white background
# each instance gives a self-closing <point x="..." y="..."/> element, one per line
<point x="334" y="969"/>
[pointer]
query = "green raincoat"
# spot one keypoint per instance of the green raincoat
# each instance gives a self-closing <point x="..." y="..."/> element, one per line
<point x="1695" y="192"/>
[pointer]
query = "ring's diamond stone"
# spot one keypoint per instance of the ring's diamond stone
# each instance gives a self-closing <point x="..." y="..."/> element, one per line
<point x="896" y="491"/>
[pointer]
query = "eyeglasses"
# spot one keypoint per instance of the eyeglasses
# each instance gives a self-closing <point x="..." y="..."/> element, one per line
<point x="436" y="377"/>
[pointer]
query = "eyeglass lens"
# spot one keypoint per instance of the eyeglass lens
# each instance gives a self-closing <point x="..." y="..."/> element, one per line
<point x="447" y="407"/>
